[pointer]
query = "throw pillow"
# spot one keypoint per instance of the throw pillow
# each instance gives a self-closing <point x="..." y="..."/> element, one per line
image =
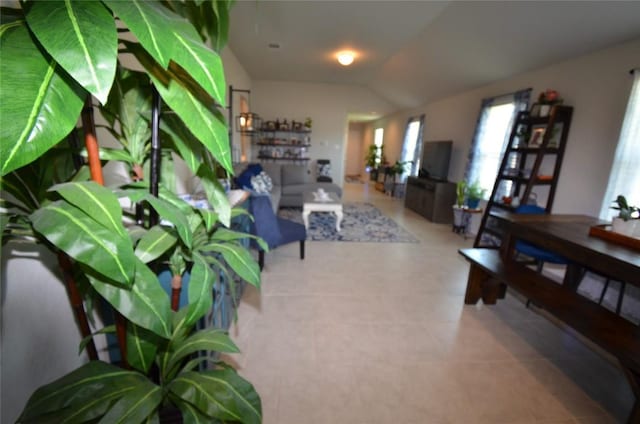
<point x="261" y="183"/>
<point x="244" y="179"/>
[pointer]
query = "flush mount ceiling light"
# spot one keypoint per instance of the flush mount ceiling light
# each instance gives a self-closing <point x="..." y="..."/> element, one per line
<point x="345" y="58"/>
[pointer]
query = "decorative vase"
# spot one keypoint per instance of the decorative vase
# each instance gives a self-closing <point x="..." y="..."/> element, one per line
<point x="630" y="228"/>
<point x="473" y="203"/>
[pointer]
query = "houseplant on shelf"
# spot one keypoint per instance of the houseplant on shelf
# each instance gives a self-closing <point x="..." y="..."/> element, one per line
<point x="628" y="220"/>
<point x="49" y="79"/>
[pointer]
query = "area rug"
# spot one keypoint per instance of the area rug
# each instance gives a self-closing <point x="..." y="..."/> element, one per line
<point x="362" y="222"/>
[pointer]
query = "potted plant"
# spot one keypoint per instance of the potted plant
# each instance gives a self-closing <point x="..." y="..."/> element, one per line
<point x="398" y="169"/>
<point x="51" y="81"/>
<point x="628" y="220"/>
<point x="458" y="208"/>
<point x="372" y="161"/>
<point x="475" y="193"/>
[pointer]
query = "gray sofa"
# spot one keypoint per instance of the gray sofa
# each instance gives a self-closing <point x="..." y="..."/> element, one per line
<point x="289" y="182"/>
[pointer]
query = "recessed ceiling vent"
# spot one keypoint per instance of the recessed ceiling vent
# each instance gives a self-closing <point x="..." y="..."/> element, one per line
<point x="274" y="46"/>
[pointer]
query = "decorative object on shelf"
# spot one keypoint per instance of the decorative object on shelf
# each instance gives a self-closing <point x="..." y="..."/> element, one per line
<point x="308" y="122"/>
<point x="628" y="220"/>
<point x="546" y="100"/>
<point x="537" y="135"/>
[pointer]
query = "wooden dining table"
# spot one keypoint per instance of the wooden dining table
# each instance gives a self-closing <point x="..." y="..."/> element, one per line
<point x="569" y="236"/>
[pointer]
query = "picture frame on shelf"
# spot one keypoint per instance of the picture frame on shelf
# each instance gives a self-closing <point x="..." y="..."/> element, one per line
<point x="535" y="110"/>
<point x="554" y="138"/>
<point x="537" y="135"/>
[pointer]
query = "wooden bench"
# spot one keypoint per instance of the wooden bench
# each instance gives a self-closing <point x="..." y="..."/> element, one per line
<point x="489" y="275"/>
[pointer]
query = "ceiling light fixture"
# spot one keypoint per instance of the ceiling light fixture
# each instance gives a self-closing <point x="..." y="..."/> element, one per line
<point x="345" y="58"/>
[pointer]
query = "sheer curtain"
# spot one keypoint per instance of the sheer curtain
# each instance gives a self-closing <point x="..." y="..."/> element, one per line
<point x="412" y="144"/>
<point x="625" y="174"/>
<point x="497" y="115"/>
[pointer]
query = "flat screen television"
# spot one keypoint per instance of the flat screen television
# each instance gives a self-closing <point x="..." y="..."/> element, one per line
<point x="435" y="159"/>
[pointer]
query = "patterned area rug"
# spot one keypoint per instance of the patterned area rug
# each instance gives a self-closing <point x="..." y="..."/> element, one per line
<point x="362" y="222"/>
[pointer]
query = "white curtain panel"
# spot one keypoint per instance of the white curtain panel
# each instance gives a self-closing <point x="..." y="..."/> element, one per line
<point x="625" y="174"/>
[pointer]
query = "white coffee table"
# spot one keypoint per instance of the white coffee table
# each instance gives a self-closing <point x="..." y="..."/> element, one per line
<point x="313" y="203"/>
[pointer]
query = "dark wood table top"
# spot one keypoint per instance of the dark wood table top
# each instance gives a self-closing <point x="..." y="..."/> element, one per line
<point x="569" y="236"/>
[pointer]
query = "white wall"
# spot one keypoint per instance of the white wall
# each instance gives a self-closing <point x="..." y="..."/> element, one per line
<point x="328" y="106"/>
<point x="596" y="85"/>
<point x="39" y="340"/>
<point x="355" y="154"/>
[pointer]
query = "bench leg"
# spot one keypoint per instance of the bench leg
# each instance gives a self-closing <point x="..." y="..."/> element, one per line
<point x="481" y="285"/>
<point x="301" y="249"/>
<point x="261" y="259"/>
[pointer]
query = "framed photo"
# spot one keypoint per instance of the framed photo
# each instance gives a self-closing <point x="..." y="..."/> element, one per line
<point x="537" y="135"/>
<point x="535" y="110"/>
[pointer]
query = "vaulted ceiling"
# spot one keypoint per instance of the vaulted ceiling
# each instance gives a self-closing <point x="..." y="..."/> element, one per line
<point x="412" y="52"/>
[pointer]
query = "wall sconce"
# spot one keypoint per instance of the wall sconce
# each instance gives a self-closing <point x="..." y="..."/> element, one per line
<point x="246" y="122"/>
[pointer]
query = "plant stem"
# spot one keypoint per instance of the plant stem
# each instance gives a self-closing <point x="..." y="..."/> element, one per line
<point x="76" y="303"/>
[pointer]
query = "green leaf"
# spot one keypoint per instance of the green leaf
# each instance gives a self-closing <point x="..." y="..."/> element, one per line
<point x="200" y="292"/>
<point x="210" y="218"/>
<point x="136" y="405"/>
<point x="45" y="103"/>
<point x="145" y="304"/>
<point x="215" y="194"/>
<point x="87" y="241"/>
<point x="107" y="153"/>
<point x="130" y="103"/>
<point x="167" y="36"/>
<point x="155" y="243"/>
<point x="220" y="394"/>
<point x="188" y="147"/>
<point x="213" y="339"/>
<point x="224" y="234"/>
<point x="83" y="40"/>
<point x="85" y="341"/>
<point x="219" y="31"/>
<point x="82" y="395"/>
<point x="239" y="259"/>
<point x="193" y="107"/>
<point x="172" y="214"/>
<point x="96" y="201"/>
<point x="142" y="346"/>
<point x="191" y="415"/>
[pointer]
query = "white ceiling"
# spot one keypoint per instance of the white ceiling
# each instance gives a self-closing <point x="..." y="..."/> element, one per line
<point x="412" y="52"/>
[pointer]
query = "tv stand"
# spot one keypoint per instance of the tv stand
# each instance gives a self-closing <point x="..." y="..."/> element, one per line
<point x="431" y="198"/>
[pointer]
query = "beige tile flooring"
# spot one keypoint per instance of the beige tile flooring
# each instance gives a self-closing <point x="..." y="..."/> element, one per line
<point x="377" y="333"/>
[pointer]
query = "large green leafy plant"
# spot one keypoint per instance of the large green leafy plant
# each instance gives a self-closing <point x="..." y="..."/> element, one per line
<point x="56" y="55"/>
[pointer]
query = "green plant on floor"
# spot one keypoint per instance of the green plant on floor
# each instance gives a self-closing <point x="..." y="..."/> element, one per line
<point x="49" y="79"/>
<point x="461" y="193"/>
<point x="371" y="158"/>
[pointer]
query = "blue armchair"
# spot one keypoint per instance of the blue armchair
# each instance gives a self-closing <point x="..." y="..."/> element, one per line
<point x="275" y="231"/>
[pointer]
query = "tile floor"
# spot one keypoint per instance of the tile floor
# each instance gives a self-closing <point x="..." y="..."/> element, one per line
<point x="378" y="333"/>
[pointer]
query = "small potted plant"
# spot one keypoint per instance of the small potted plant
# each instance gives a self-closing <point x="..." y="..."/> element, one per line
<point x="458" y="208"/>
<point x="475" y="193"/>
<point x="371" y="160"/>
<point x="628" y="220"/>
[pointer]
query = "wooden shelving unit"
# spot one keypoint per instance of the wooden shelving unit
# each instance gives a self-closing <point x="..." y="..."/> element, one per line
<point x="532" y="159"/>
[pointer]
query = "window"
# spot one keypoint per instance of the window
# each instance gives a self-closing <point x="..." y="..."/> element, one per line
<point x="625" y="173"/>
<point x="492" y="133"/>
<point x="412" y="144"/>
<point x="377" y="140"/>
